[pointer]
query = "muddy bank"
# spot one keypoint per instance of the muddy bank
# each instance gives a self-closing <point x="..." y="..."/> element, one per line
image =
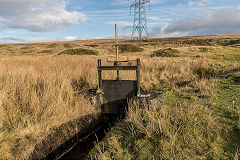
<point x="86" y="144"/>
<point x="64" y="136"/>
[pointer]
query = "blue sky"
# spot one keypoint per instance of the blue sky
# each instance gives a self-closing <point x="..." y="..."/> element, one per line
<point x="57" y="20"/>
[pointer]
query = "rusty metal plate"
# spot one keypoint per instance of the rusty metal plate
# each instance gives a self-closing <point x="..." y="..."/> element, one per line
<point x="116" y="94"/>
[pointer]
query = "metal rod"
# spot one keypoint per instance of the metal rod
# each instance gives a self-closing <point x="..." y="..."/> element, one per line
<point x="116" y="38"/>
<point x="118" y="75"/>
<point x="99" y="74"/>
<point x="138" y="77"/>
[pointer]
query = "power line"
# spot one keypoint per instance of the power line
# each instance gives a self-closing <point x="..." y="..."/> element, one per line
<point x="140" y="20"/>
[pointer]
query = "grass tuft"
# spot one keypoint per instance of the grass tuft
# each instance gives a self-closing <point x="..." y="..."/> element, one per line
<point x="233" y="42"/>
<point x="198" y="42"/>
<point x="53" y="45"/>
<point x="91" y="45"/>
<point x="69" y="45"/>
<point x="79" y="51"/>
<point x="129" y="48"/>
<point x="46" y="51"/>
<point x="158" y="131"/>
<point x="169" y="52"/>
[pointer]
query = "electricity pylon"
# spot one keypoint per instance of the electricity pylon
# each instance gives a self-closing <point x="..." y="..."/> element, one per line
<point x="140" y="20"/>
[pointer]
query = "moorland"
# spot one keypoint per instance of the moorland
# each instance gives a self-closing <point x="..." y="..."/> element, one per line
<point x="197" y="116"/>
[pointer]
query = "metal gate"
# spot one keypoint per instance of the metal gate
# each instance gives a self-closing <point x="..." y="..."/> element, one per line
<point x="117" y="92"/>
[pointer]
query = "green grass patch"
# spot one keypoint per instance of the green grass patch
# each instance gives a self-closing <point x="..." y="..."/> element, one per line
<point x="228" y="108"/>
<point x="172" y="98"/>
<point x="79" y="51"/>
<point x="227" y="54"/>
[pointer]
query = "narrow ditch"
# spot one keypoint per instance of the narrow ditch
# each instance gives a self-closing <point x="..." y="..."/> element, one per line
<point x="78" y="147"/>
<point x="84" y="146"/>
<point x="80" y="150"/>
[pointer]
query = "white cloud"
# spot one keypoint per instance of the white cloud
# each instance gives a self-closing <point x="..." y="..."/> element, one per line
<point x="160" y="32"/>
<point x="222" y="21"/>
<point x="10" y="40"/>
<point x="25" y="40"/>
<point x="124" y="2"/>
<point x="35" y="40"/>
<point x="38" y="15"/>
<point x="71" y="38"/>
<point x="154" y="18"/>
<point x="120" y="2"/>
<point x="200" y="3"/>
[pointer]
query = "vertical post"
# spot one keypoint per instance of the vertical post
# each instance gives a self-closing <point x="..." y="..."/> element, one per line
<point x="99" y="74"/>
<point x="138" y="77"/>
<point x="116" y="38"/>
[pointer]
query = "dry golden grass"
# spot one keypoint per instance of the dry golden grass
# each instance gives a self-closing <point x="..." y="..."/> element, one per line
<point x="37" y="94"/>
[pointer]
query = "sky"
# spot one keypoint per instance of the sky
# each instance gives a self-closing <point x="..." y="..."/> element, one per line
<point x="65" y="20"/>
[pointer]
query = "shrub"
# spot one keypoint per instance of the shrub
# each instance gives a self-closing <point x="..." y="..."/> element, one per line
<point x="198" y="42"/>
<point x="26" y="48"/>
<point x="205" y="71"/>
<point x="46" y="51"/>
<point x="130" y="48"/>
<point x="79" y="51"/>
<point x="233" y="42"/>
<point x="91" y="45"/>
<point x="69" y="45"/>
<point x="169" y="52"/>
<point x="2" y="46"/>
<point x="52" y="45"/>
